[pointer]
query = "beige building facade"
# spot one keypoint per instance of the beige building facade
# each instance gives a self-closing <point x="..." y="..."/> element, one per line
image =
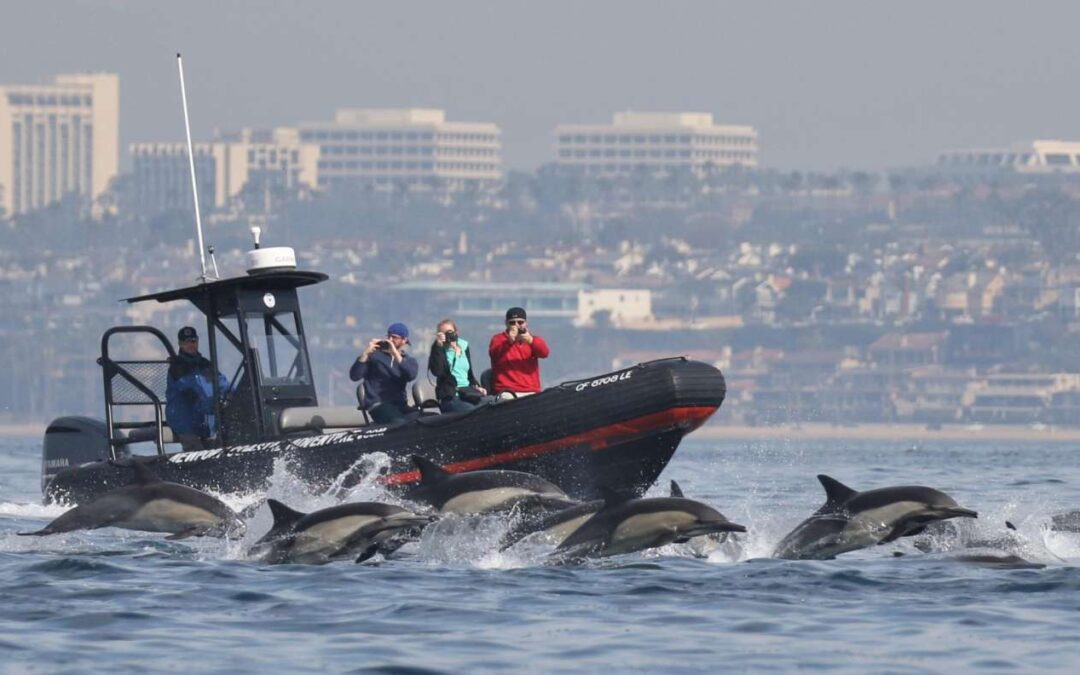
<point x="412" y="147"/>
<point x="58" y="139"/>
<point x="656" y="141"/>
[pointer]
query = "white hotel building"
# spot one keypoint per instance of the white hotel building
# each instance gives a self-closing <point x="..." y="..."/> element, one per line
<point x="1042" y="156"/>
<point x="656" y="141"/>
<point x="413" y="147"/>
<point x="58" y="139"/>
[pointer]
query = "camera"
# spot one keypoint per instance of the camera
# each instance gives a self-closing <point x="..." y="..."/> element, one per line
<point x="451" y="336"/>
<point x="522" y="329"/>
<point x="383" y="344"/>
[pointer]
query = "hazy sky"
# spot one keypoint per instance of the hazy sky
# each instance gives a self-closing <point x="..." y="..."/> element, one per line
<point x="827" y="84"/>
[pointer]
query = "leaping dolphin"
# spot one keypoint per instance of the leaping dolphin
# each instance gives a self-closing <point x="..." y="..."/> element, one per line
<point x="625" y="525"/>
<point x="359" y="529"/>
<point x="151" y="505"/>
<point x="850" y="520"/>
<point x="479" y="492"/>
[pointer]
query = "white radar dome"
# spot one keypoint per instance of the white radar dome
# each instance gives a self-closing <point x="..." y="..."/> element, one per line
<point x="271" y="259"/>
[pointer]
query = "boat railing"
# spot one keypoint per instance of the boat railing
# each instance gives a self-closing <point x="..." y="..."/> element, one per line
<point x="135" y="382"/>
<point x="570" y="384"/>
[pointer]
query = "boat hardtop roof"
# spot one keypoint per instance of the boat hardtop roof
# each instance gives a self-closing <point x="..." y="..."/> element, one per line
<point x="269" y="280"/>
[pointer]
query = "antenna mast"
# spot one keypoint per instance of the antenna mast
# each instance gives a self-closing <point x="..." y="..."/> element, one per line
<point x="191" y="162"/>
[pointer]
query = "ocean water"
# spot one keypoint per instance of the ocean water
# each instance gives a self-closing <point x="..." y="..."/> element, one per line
<point x="119" y="601"/>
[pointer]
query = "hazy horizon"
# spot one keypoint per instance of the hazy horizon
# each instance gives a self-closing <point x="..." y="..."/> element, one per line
<point x="827" y="85"/>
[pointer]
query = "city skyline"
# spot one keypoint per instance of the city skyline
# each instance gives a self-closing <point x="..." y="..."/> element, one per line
<point x="888" y="87"/>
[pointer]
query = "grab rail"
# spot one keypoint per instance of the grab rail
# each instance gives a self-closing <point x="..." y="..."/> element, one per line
<point x="111" y="369"/>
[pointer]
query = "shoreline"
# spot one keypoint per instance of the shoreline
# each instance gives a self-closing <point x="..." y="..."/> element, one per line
<point x="913" y="432"/>
<point x="15" y="429"/>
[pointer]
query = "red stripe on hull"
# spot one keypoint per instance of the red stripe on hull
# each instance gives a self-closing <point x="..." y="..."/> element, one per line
<point x="688" y="417"/>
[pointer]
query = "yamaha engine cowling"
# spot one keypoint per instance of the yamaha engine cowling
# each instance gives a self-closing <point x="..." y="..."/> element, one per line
<point x="71" y="441"/>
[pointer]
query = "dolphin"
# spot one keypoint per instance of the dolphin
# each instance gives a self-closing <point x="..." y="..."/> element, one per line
<point x="1004" y="548"/>
<point x="151" y="505"/>
<point x="850" y="520"/>
<point x="479" y="492"/>
<point x="705" y="545"/>
<point x="625" y="524"/>
<point x="552" y="527"/>
<point x="360" y="528"/>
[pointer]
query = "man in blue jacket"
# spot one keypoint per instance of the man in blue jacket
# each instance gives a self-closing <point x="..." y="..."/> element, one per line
<point x="189" y="393"/>
<point x="386" y="371"/>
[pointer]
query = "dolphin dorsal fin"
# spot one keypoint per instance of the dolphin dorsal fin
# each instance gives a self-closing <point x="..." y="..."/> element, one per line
<point x="430" y="472"/>
<point x="676" y="491"/>
<point x="144" y="474"/>
<point x="283" y="515"/>
<point x="613" y="497"/>
<point x="836" y="493"/>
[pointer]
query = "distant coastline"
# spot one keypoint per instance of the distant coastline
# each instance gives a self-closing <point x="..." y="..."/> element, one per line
<point x="874" y="431"/>
<point x="14" y="429"/>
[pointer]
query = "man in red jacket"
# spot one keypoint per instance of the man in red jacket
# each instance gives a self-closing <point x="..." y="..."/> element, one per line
<point x="515" y="357"/>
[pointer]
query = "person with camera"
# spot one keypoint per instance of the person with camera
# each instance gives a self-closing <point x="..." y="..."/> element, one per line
<point x="515" y="357"/>
<point x="386" y="371"/>
<point x="450" y="361"/>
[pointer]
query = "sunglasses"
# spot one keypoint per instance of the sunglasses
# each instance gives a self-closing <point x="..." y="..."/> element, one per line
<point x="516" y="322"/>
<point x="189" y="340"/>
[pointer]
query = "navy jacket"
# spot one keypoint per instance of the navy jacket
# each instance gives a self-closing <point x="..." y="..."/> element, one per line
<point x="385" y="381"/>
<point x="189" y="395"/>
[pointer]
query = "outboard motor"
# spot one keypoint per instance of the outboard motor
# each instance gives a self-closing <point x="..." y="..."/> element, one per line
<point x="71" y="441"/>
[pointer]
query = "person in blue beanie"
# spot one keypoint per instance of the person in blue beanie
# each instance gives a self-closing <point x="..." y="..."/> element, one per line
<point x="386" y="371"/>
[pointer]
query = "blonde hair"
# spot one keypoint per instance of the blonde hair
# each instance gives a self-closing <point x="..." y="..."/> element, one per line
<point x="445" y="321"/>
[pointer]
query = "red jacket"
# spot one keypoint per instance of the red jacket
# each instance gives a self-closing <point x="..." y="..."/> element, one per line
<point x="515" y="366"/>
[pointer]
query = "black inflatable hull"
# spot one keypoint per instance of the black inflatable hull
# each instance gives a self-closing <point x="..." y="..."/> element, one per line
<point x="617" y="430"/>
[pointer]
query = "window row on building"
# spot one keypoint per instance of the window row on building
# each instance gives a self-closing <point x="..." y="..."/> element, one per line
<point x="50" y="100"/>
<point x="656" y="139"/>
<point x="703" y="155"/>
<point x="313" y="136"/>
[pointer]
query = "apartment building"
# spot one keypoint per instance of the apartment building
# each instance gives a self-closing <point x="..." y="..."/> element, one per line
<point x="655" y="141"/>
<point x="413" y="147"/>
<point x="58" y="139"/>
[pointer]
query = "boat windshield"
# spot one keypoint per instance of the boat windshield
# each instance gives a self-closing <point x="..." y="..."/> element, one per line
<point x="279" y="347"/>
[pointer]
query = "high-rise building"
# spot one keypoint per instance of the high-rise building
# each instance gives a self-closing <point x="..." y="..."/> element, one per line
<point x="58" y="139"/>
<point x="263" y="161"/>
<point x="414" y="148"/>
<point x="656" y="141"/>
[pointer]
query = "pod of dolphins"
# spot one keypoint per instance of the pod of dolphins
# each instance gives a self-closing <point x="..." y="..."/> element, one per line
<point x="540" y="512"/>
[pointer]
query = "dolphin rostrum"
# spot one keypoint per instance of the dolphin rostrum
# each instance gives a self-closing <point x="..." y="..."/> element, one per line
<point x="478" y="492"/>
<point x="626" y="524"/>
<point x="151" y="505"/>
<point x="704" y="545"/>
<point x="359" y="529"/>
<point x="850" y="520"/>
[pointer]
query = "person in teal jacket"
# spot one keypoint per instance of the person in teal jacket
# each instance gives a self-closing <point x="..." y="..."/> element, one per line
<point x="450" y="361"/>
<point x="189" y="393"/>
